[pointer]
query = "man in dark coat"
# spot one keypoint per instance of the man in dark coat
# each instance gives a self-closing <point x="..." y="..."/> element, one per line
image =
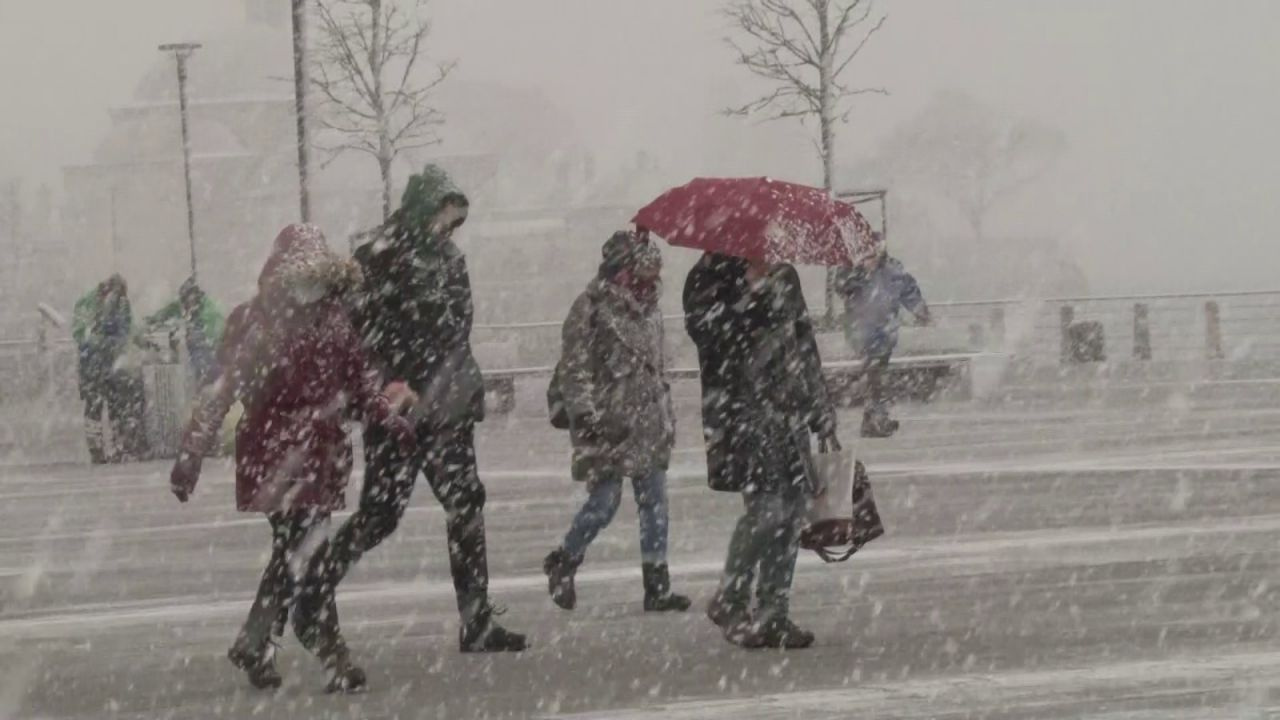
<point x="763" y="395"/>
<point x="415" y="313"/>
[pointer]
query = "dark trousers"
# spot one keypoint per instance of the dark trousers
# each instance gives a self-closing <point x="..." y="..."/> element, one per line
<point x="448" y="460"/>
<point x="120" y="394"/>
<point x="874" y="368"/>
<point x="270" y="611"/>
<point x="763" y="551"/>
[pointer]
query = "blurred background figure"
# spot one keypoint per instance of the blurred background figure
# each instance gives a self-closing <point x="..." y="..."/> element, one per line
<point x="102" y="326"/>
<point x="200" y="321"/>
<point x="873" y="295"/>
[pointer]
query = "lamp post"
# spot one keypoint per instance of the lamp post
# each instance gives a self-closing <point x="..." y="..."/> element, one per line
<point x="300" y="103"/>
<point x="182" y="51"/>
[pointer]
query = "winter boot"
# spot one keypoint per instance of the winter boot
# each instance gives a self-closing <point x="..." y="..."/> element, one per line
<point x="776" y="631"/>
<point x="344" y="675"/>
<point x="560" y="569"/>
<point x="657" y="590"/>
<point x="876" y="424"/>
<point x="479" y="633"/>
<point x="726" y="613"/>
<point x="259" y="665"/>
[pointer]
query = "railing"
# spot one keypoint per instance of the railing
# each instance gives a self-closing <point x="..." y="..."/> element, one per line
<point x="1171" y="327"/>
<point x="1174" y="327"/>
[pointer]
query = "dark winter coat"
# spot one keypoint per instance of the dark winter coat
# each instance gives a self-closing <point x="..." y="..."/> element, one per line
<point x="292" y="358"/>
<point x="872" y="301"/>
<point x="102" y="325"/>
<point x="762" y="385"/>
<point x="415" y="311"/>
<point x="614" y="385"/>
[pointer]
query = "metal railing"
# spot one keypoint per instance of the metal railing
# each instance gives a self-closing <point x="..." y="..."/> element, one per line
<point x="1166" y="327"/>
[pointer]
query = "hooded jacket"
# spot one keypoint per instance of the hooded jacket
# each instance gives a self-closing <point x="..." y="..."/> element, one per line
<point x="293" y="360"/>
<point x="102" y="325"/>
<point x="614" y="385"/>
<point x="414" y="308"/>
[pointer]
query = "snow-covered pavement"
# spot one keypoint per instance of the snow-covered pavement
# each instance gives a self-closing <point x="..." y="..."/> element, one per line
<point x="1044" y="559"/>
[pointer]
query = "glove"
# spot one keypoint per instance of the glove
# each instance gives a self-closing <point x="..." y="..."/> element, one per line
<point x="185" y="474"/>
<point x="402" y="430"/>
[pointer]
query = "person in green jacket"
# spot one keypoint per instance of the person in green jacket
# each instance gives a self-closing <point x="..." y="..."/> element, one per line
<point x="102" y="326"/>
<point x="201" y="321"/>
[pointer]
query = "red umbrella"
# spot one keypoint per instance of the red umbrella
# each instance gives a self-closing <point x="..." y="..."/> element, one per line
<point x="759" y="218"/>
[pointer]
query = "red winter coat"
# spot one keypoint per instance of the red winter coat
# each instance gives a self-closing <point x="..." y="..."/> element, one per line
<point x="294" y="361"/>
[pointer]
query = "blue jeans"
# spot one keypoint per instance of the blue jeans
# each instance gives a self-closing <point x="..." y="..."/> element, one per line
<point x="602" y="504"/>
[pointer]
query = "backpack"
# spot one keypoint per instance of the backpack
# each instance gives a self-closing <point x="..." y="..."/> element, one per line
<point x="556" y="409"/>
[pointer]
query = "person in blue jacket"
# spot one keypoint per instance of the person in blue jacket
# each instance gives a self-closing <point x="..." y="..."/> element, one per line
<point x="874" y="294"/>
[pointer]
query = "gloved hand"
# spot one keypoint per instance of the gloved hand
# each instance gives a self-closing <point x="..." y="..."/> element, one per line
<point x="185" y="474"/>
<point x="402" y="430"/>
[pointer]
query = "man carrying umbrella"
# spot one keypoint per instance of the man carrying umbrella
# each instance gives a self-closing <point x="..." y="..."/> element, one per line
<point x="763" y="393"/>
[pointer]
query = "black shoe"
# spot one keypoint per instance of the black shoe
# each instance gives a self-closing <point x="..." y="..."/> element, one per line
<point x="482" y="634"/>
<point x="344" y="676"/>
<point x="657" y="590"/>
<point x="776" y="632"/>
<point x="560" y="569"/>
<point x="259" y="666"/>
<point x="726" y="614"/>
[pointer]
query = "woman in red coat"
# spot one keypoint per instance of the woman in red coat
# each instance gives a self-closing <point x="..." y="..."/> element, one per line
<point x="293" y="360"/>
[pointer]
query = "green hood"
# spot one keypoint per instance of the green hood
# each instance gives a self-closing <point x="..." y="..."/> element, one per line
<point x="424" y="196"/>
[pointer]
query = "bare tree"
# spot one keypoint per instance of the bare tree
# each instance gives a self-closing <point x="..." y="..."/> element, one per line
<point x="364" y="68"/>
<point x="804" y="48"/>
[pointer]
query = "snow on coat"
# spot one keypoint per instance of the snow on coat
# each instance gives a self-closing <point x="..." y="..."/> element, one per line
<point x="414" y="309"/>
<point x="614" y="385"/>
<point x="762" y="385"/>
<point x="294" y="361"/>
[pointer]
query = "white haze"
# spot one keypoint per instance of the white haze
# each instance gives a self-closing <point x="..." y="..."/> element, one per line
<point x="1168" y="108"/>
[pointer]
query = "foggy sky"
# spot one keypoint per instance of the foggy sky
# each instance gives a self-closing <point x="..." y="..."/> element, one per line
<point x="1169" y="107"/>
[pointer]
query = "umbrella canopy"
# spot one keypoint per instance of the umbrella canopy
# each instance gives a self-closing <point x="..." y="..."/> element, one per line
<point x="759" y="218"/>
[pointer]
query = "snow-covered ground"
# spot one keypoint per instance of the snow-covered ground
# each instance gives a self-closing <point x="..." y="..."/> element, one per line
<point x="1045" y="558"/>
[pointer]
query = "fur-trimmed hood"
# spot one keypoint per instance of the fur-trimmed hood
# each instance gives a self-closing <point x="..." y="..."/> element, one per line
<point x="302" y="269"/>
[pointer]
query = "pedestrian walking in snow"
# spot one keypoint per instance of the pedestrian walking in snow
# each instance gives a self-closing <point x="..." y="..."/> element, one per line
<point x="293" y="359"/>
<point x="102" y="326"/>
<point x="414" y="312"/>
<point x="763" y="396"/>
<point x="874" y="292"/>
<point x="612" y="386"/>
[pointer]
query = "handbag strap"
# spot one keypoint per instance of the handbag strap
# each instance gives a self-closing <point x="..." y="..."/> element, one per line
<point x="830" y="555"/>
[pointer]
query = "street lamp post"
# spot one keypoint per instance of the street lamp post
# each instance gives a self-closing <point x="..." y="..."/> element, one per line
<point x="182" y="51"/>
<point x="300" y="101"/>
